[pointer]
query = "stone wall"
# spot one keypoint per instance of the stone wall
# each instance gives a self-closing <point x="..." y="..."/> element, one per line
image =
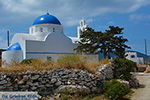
<point x="56" y="80"/>
<point x="105" y="72"/>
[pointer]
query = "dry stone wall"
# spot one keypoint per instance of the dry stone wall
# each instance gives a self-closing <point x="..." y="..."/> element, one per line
<point x="56" y="80"/>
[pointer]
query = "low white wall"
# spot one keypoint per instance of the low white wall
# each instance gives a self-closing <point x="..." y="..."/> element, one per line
<point x="9" y="56"/>
<point x="45" y="56"/>
<point x="92" y="57"/>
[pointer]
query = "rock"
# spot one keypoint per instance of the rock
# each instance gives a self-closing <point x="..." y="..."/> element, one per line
<point x="58" y="83"/>
<point x="33" y="88"/>
<point x="53" y="80"/>
<point x="4" y="76"/>
<point x="29" y="83"/>
<point x="49" y="85"/>
<point x="105" y="72"/>
<point x="2" y="87"/>
<point x="43" y="82"/>
<point x="133" y="82"/>
<point x="25" y="77"/>
<point x="21" y="82"/>
<point x="40" y="86"/>
<point x="8" y="84"/>
<point x="24" y="86"/>
<point x="3" y="82"/>
<point x="35" y="77"/>
<point x="51" y="98"/>
<point x="73" y="89"/>
<point x="95" y="89"/>
<point x="8" y="79"/>
<point x="35" y="84"/>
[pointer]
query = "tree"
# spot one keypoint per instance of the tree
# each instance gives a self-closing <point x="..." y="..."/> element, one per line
<point x="103" y="42"/>
<point x="117" y="42"/>
<point x="89" y="41"/>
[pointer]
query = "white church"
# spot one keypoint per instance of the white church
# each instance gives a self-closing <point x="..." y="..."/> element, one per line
<point x="46" y="39"/>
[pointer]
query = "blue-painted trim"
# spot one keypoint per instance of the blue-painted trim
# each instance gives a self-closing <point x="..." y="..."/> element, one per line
<point x="15" y="46"/>
<point x="48" y="53"/>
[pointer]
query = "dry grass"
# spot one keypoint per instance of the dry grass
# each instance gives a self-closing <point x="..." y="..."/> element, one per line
<point x="72" y="61"/>
<point x="36" y="65"/>
<point x="92" y="67"/>
<point x="104" y="61"/>
<point x="78" y="62"/>
<point x="68" y="62"/>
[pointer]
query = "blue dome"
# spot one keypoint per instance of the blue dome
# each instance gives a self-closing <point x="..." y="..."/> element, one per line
<point x="15" y="46"/>
<point x="46" y="19"/>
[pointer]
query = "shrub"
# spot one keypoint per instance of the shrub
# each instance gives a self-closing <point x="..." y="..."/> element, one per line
<point x="115" y="90"/>
<point x="123" y="67"/>
<point x="78" y="62"/>
<point x="95" y="97"/>
<point x="71" y="61"/>
<point x="36" y="63"/>
<point x="28" y="61"/>
<point x="65" y="97"/>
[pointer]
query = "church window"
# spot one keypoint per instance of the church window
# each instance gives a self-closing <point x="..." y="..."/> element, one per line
<point x="53" y="29"/>
<point x="132" y="56"/>
<point x="41" y="29"/>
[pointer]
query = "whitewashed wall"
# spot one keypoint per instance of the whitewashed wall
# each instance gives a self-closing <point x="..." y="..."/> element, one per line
<point x="55" y="45"/>
<point x="10" y="56"/>
<point x="138" y="60"/>
<point x="35" y="34"/>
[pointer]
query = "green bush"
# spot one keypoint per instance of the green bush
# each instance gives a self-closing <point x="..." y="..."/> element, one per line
<point x="115" y="90"/>
<point x="122" y="68"/>
<point x="28" y="61"/>
<point x="65" y="97"/>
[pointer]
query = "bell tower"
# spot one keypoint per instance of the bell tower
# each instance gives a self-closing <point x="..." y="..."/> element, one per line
<point x="81" y="28"/>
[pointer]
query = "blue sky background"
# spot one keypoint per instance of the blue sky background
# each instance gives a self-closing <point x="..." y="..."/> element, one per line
<point x="133" y="15"/>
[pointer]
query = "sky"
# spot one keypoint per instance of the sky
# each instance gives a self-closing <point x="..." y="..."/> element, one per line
<point x="132" y="15"/>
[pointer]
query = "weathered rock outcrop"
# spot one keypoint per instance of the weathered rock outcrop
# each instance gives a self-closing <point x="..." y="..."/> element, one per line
<point x="105" y="72"/>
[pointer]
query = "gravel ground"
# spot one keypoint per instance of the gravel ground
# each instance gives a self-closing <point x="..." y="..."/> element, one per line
<point x="142" y="93"/>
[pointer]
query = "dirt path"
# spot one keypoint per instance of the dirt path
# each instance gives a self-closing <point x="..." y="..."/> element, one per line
<point x="143" y="93"/>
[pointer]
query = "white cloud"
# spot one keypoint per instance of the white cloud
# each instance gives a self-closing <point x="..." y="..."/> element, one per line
<point x="139" y="17"/>
<point x="3" y="43"/>
<point x="68" y="11"/>
<point x="19" y="6"/>
<point x="3" y="36"/>
<point x="17" y="13"/>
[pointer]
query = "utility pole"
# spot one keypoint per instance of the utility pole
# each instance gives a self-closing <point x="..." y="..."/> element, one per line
<point x="8" y="38"/>
<point x="145" y="47"/>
